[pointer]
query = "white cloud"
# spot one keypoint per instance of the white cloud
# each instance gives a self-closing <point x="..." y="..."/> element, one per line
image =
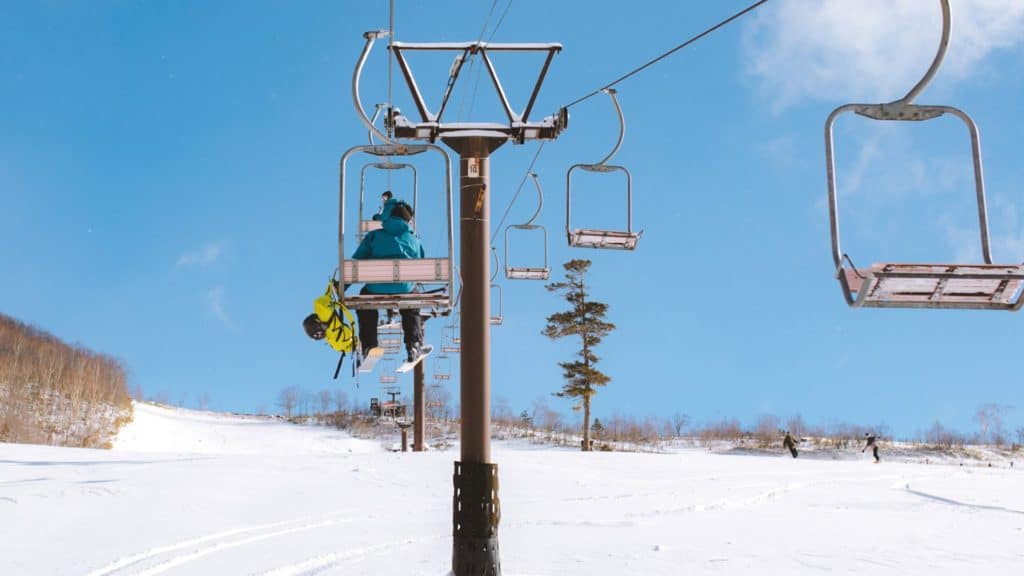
<point x="215" y="300"/>
<point x="885" y="167"/>
<point x="202" y="257"/>
<point x="870" y="50"/>
<point x="1005" y="225"/>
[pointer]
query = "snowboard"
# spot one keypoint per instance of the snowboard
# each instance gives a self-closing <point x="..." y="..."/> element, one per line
<point x="371" y="358"/>
<point x="424" y="352"/>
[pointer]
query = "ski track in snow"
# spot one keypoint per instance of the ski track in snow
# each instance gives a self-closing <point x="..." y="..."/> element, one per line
<point x="317" y="564"/>
<point x="205" y="545"/>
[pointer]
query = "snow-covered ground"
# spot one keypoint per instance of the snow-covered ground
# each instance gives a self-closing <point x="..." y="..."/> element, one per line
<point x="185" y="492"/>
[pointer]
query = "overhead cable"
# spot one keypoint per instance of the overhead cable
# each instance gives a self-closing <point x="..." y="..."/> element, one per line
<point x="518" y="190"/>
<point x="735" y="16"/>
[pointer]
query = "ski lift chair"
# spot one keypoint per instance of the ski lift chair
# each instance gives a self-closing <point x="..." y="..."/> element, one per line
<point x="524" y="272"/>
<point x="610" y="239"/>
<point x="387" y="371"/>
<point x="434" y="275"/>
<point x="390" y="339"/>
<point x="984" y="286"/>
<point x="442" y="368"/>
<point x="448" y="346"/>
<point x="495" y="319"/>
<point x="368" y="225"/>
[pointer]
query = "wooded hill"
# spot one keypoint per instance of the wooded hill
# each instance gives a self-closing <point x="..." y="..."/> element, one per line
<point x="54" y="393"/>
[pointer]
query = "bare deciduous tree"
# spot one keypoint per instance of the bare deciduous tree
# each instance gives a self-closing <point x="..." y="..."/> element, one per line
<point x="679" y="422"/>
<point x="288" y="400"/>
<point x="990" y="420"/>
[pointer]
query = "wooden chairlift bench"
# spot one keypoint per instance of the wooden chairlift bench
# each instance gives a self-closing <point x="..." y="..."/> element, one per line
<point x="963" y="286"/>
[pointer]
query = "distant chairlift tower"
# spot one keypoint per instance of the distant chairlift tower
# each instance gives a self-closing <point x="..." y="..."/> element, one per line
<point x="476" y="503"/>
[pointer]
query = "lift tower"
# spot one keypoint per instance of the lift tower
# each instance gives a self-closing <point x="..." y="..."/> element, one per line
<point x="476" y="507"/>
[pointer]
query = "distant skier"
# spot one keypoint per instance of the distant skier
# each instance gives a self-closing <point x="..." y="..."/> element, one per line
<point x="872" y="442"/>
<point x="790" y="444"/>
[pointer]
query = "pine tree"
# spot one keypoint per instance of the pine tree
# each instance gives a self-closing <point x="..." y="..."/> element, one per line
<point x="585" y="319"/>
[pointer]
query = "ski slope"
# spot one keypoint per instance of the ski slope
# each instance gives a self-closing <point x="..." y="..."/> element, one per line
<point x="195" y="493"/>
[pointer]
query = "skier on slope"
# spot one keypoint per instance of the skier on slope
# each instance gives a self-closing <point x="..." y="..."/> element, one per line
<point x="790" y="444"/>
<point x="872" y="442"/>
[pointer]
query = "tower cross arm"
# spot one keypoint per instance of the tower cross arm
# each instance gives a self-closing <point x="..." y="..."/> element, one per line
<point x="493" y="46"/>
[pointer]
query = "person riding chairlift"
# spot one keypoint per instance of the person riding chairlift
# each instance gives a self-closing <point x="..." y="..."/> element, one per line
<point x="394" y="239"/>
<point x="387" y="202"/>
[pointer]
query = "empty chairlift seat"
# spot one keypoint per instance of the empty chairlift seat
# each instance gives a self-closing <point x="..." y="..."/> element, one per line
<point x="608" y="239"/>
<point x="984" y="286"/>
<point x="965" y="286"/>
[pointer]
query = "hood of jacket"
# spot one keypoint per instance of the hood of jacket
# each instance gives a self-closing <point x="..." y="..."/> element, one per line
<point x="396" y="226"/>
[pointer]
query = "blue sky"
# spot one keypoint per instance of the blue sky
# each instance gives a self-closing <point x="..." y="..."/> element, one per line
<point x="168" y="183"/>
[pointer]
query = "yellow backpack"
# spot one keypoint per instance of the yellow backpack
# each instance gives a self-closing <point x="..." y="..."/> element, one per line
<point x="341" y="326"/>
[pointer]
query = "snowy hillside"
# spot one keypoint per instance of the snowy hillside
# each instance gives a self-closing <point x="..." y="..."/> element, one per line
<point x="184" y="492"/>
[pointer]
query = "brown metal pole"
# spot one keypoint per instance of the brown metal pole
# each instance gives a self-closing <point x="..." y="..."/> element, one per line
<point x="419" y="412"/>
<point x="475" y="530"/>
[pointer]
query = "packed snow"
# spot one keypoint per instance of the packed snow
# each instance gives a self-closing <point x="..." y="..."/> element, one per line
<point x="186" y="492"/>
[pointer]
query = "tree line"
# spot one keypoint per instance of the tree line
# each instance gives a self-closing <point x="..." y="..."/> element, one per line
<point x="55" y="393"/>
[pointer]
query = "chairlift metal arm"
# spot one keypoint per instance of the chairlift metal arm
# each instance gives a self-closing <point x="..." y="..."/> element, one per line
<point x="373" y="120"/>
<point x="939" y="56"/>
<point x="622" y="126"/>
<point x="371" y="37"/>
<point x="540" y="199"/>
<point x="497" y="264"/>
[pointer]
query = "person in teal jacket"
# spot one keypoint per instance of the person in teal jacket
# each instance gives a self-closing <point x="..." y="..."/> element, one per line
<point x="394" y="240"/>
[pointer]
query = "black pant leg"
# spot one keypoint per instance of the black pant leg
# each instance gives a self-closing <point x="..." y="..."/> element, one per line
<point x="411" y="329"/>
<point x="367" y="328"/>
